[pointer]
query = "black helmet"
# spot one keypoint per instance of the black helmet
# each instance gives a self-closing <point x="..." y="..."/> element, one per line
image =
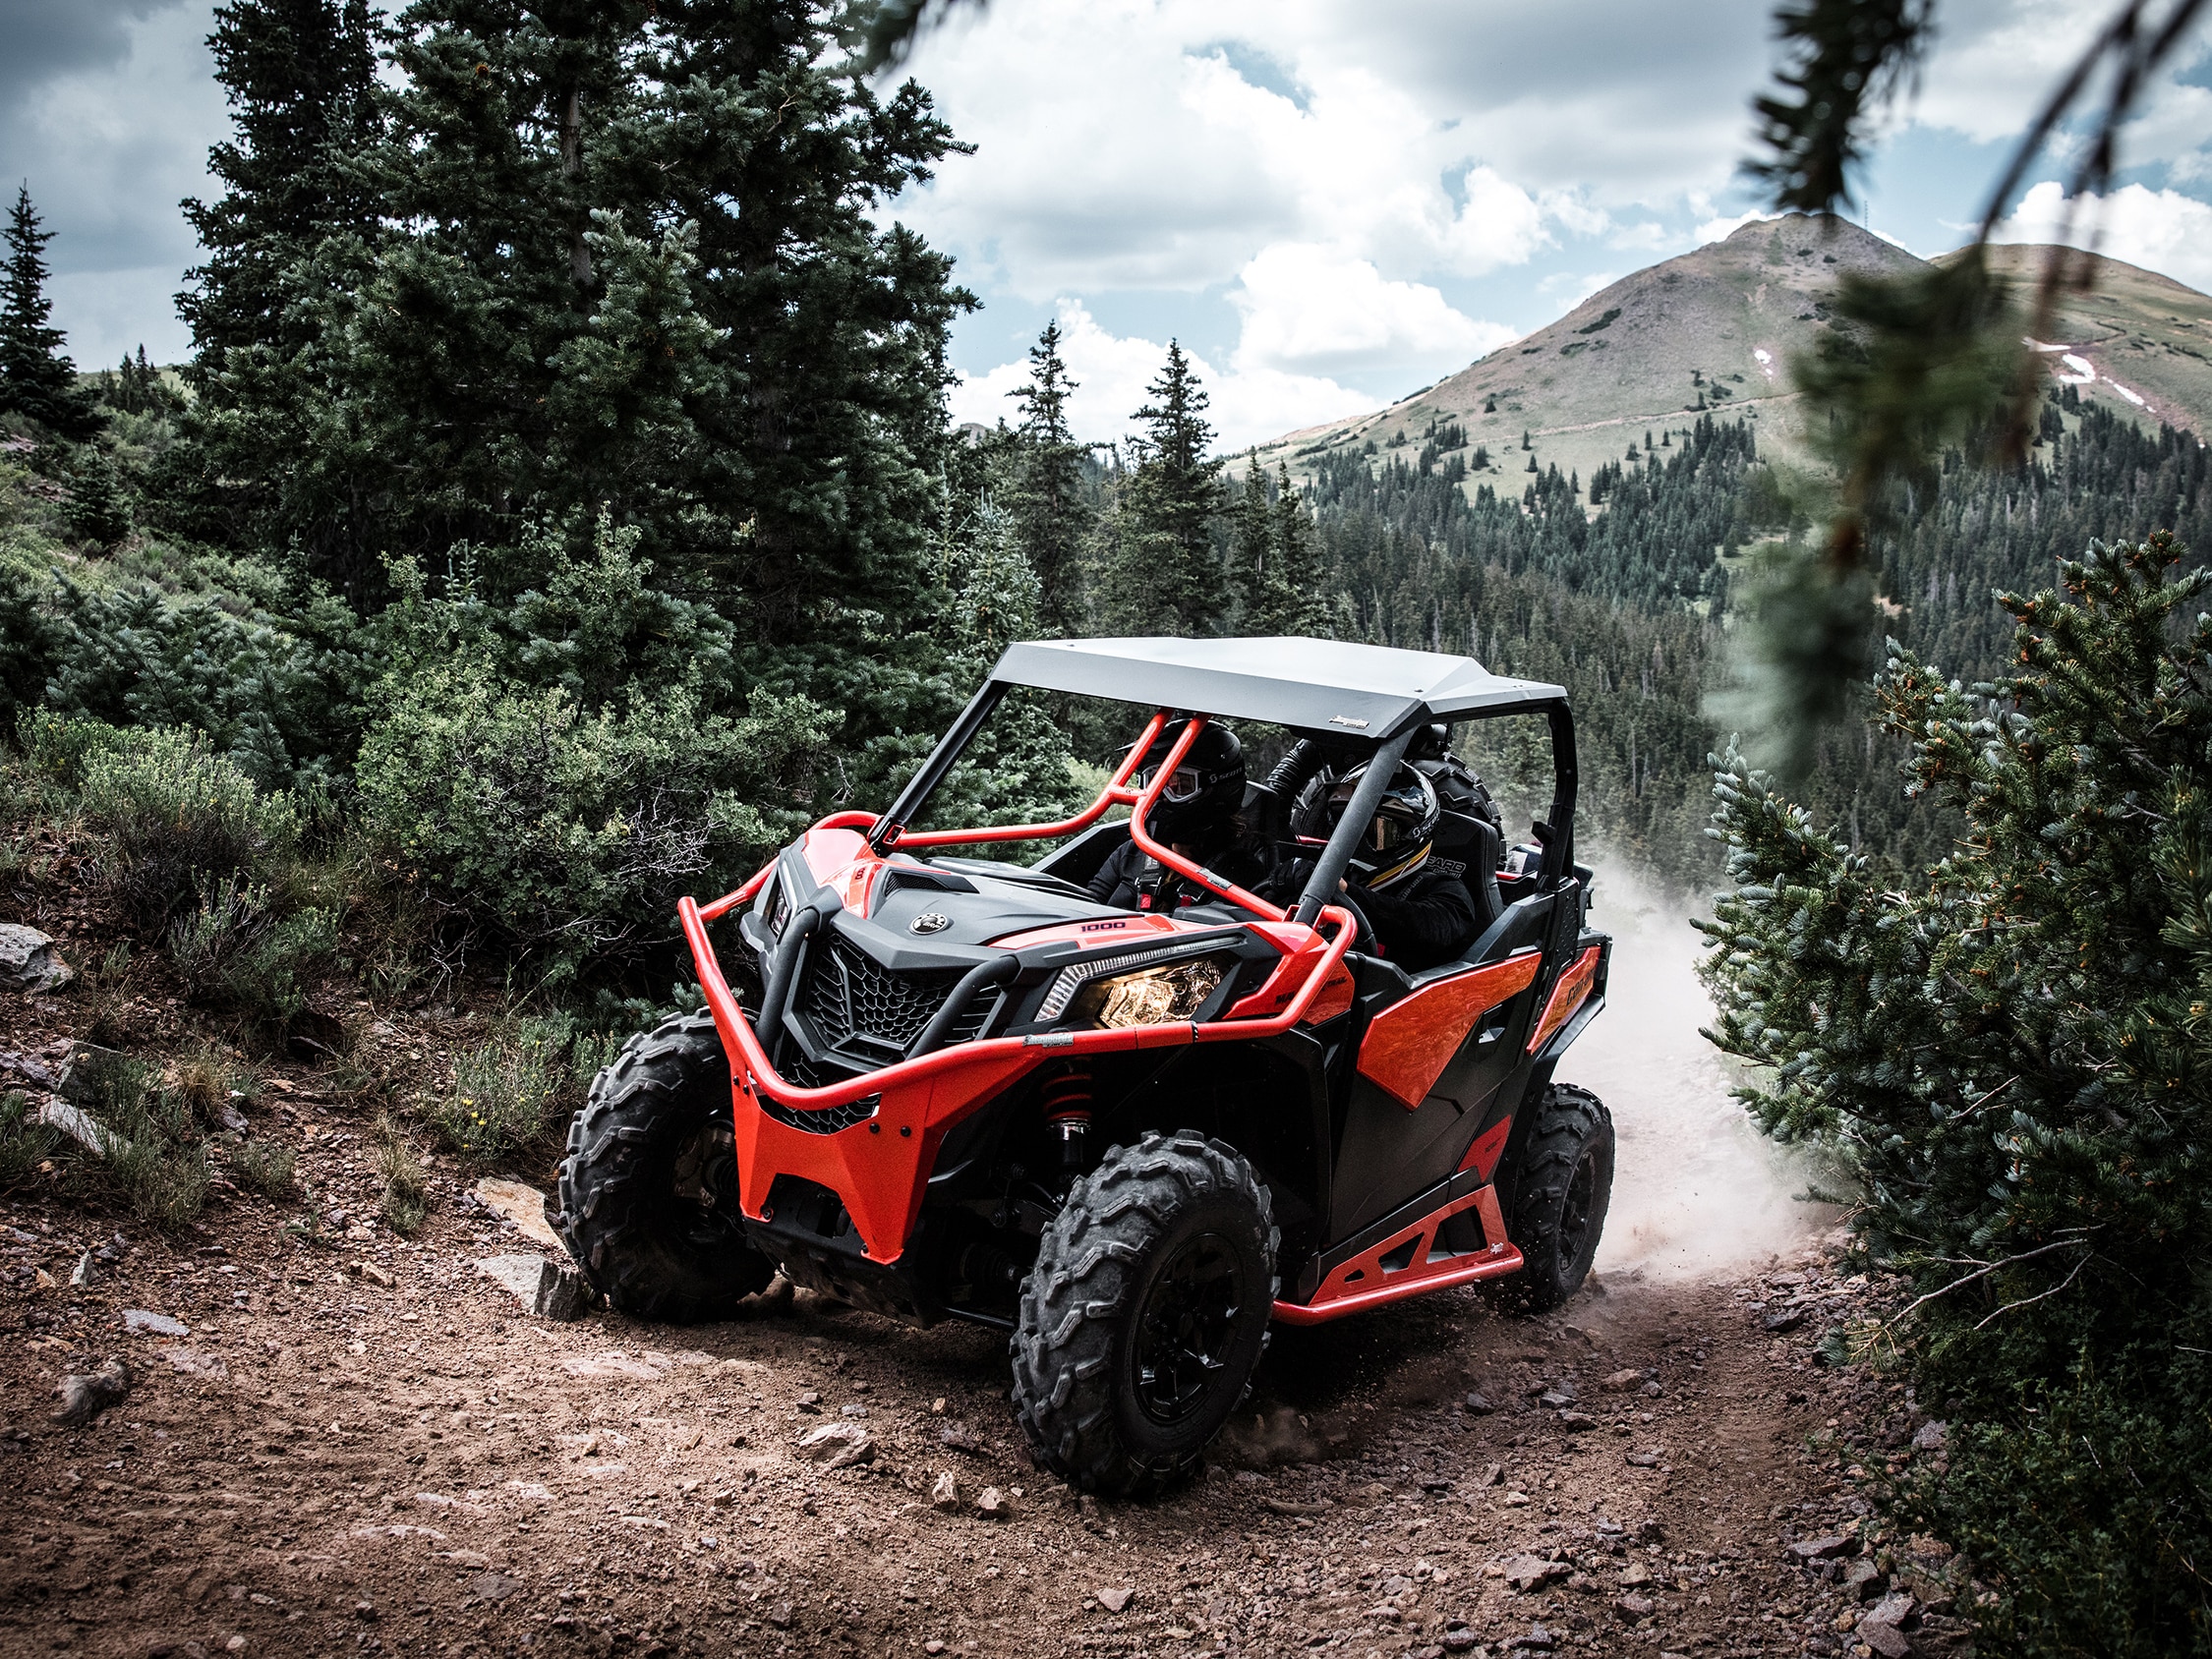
<point x="1396" y="844"/>
<point x="1209" y="786"/>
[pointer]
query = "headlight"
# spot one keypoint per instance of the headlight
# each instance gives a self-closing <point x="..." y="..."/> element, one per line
<point x="1149" y="997"/>
<point x="1134" y="988"/>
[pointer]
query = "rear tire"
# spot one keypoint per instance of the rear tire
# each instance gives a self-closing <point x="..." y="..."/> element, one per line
<point x="1559" y="1201"/>
<point x="649" y="1188"/>
<point x="1144" y="1314"/>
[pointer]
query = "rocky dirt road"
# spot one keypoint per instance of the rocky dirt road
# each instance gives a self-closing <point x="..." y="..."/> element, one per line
<point x="365" y="1446"/>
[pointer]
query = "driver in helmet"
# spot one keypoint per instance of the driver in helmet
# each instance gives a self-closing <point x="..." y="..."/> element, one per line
<point x="1410" y="914"/>
<point x="1198" y="816"/>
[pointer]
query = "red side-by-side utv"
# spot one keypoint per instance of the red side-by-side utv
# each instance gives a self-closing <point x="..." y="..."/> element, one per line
<point x="963" y="1088"/>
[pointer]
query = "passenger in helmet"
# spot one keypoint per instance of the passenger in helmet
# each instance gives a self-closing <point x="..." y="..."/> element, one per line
<point x="1413" y="916"/>
<point x="1198" y="817"/>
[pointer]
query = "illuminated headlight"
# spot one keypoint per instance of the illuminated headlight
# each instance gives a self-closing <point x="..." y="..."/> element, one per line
<point x="1135" y="988"/>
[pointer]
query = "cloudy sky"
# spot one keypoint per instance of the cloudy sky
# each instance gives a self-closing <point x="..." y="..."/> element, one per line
<point x="1330" y="202"/>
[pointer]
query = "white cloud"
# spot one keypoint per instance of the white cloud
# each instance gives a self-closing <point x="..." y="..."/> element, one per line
<point x="2161" y="230"/>
<point x="1314" y="310"/>
<point x="1720" y="229"/>
<point x="1249" y="403"/>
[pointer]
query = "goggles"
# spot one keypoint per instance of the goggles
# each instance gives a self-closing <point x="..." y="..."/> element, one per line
<point x="1181" y="785"/>
<point x="1388" y="829"/>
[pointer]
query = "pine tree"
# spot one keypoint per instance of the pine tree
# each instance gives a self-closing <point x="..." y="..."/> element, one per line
<point x="1046" y="501"/>
<point x="1251" y="538"/>
<point x="97" y="511"/>
<point x="1174" y="497"/>
<point x="37" y="378"/>
<point x="299" y="76"/>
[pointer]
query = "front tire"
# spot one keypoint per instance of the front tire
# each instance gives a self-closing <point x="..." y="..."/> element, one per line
<point x="1559" y="1201"/>
<point x="649" y="1188"/>
<point x="1144" y="1314"/>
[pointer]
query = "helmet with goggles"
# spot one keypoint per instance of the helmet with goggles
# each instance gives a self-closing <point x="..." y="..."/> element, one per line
<point x="1207" y="788"/>
<point x="1396" y="842"/>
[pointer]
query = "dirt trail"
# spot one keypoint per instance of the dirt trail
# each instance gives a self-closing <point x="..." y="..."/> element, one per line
<point x="360" y="1444"/>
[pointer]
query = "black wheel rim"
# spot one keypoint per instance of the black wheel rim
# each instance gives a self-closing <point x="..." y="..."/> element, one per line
<point x="1574" y="1214"/>
<point x="1184" y="1329"/>
<point x="704" y="1183"/>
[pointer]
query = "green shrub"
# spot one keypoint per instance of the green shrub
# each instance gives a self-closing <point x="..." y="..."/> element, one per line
<point x="571" y="832"/>
<point x="406" y="1199"/>
<point x="152" y="1153"/>
<point x="177" y="817"/>
<point x="235" y="949"/>
<point x="2012" y="1057"/>
<point x="510" y="1089"/>
<point x="25" y="1142"/>
<point x="265" y="1167"/>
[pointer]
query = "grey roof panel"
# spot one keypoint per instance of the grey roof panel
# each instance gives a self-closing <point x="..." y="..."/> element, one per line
<point x="1317" y="685"/>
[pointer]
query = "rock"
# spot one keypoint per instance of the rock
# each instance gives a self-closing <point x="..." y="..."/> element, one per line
<point x="193" y="1363"/>
<point x="1788" y="1320"/>
<point x="1634" y="1574"/>
<point x="85" y="1396"/>
<point x="1651" y="1389"/>
<point x="141" y="1322"/>
<point x="1538" y="1640"/>
<point x="1879" y="1628"/>
<point x="1620" y="1382"/>
<point x="961" y="1438"/>
<point x="1819" y="1549"/>
<point x="1635" y="1607"/>
<point x="1577" y="1422"/>
<point x="1459" y="1640"/>
<point x="1117" y="1599"/>
<point x="1493" y="1475"/>
<point x="494" y="1586"/>
<point x="838" y="1445"/>
<point x="28" y="961"/>
<point x="1475" y="1406"/>
<point x="992" y="1503"/>
<point x="371" y="1274"/>
<point x="548" y="1290"/>
<point x="525" y="1206"/>
<point x="1930" y="1437"/>
<point x="1862" y="1578"/>
<point x="1651" y="1532"/>
<point x="77" y="1126"/>
<point x="82" y="1073"/>
<point x="85" y="1273"/>
<point x="855" y="1412"/>
<point x="810" y="1402"/>
<point x="1558" y="1395"/>
<point x="1292" y="1506"/>
<point x="1645" y="1459"/>
<point x="1526" y="1573"/>
<point x="945" y="1493"/>
<point x="780" y="1615"/>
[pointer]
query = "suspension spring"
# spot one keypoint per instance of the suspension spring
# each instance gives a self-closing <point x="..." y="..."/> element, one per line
<point x="1066" y="1109"/>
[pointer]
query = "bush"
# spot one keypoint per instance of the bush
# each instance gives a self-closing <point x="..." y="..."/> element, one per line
<point x="406" y="1199"/>
<point x="2011" y="1056"/>
<point x="152" y="1154"/>
<point x="265" y="1167"/>
<point x="237" y="950"/>
<point x="510" y="1089"/>
<point x="176" y="816"/>
<point x="571" y="832"/>
<point x="25" y="1142"/>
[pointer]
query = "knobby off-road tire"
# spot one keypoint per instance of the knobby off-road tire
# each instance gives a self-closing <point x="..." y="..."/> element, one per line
<point x="648" y="1191"/>
<point x="1559" y="1202"/>
<point x="1144" y="1314"/>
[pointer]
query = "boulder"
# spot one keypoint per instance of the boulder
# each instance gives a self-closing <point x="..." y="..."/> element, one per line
<point x="548" y="1290"/>
<point x="27" y="960"/>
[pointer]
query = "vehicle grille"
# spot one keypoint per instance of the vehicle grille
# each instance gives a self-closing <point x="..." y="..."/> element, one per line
<point x="858" y="1003"/>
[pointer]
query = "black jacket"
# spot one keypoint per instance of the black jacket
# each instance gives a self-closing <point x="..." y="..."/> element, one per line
<point x="1418" y="924"/>
<point x="1130" y="880"/>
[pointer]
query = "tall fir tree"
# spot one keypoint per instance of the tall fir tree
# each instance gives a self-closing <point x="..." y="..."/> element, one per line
<point x="624" y="255"/>
<point x="1047" y="499"/>
<point x="36" y="378"/>
<point x="299" y="77"/>
<point x="1297" y="583"/>
<point x="1174" y="497"/>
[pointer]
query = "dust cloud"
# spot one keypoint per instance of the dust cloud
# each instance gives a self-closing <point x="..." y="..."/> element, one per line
<point x="1697" y="1190"/>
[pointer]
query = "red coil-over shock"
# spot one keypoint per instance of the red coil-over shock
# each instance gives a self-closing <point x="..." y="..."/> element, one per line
<point x="1066" y="1109"/>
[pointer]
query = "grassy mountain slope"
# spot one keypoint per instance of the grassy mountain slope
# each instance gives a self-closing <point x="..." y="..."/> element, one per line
<point x="1714" y="329"/>
<point x="2140" y="333"/>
